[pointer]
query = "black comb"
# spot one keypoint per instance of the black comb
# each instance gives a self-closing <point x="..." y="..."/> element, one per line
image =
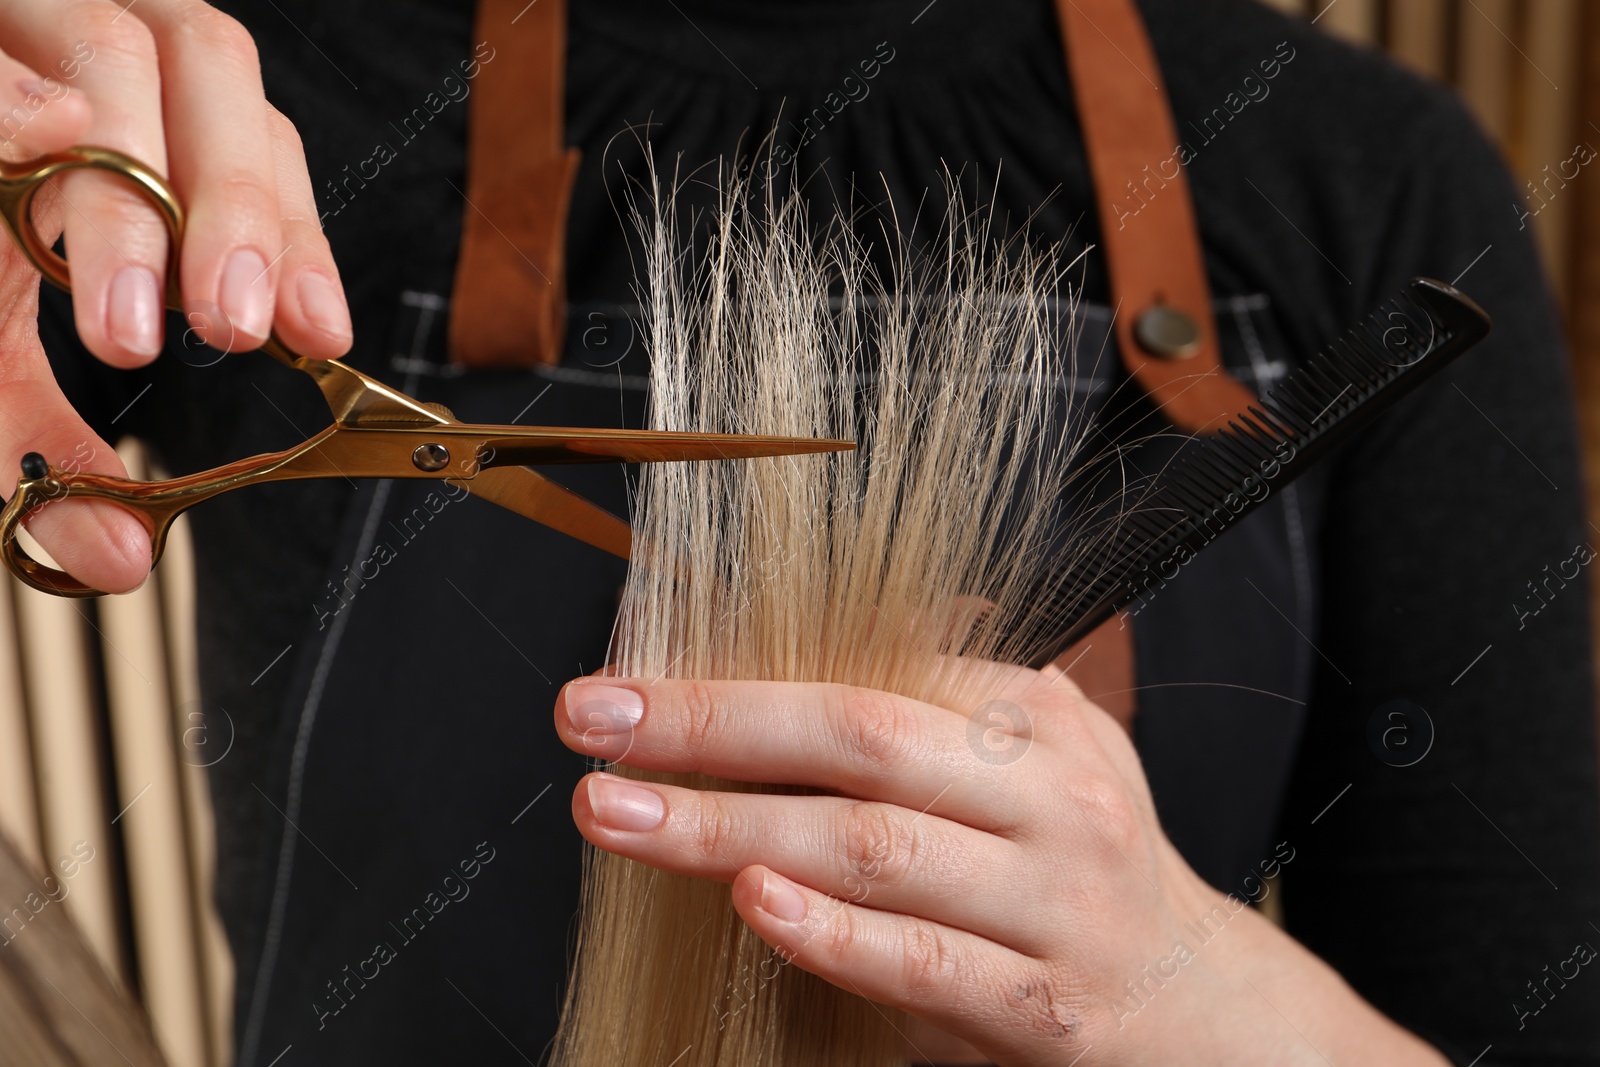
<point x="1221" y="477"/>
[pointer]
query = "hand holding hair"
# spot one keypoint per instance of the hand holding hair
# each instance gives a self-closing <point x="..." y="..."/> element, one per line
<point x="803" y="705"/>
<point x="1030" y="906"/>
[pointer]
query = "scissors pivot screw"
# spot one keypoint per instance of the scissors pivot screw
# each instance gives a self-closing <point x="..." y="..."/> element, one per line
<point x="430" y="457"/>
<point x="34" y="467"/>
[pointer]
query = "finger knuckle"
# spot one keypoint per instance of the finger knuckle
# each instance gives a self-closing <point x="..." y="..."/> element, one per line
<point x="1038" y="1003"/>
<point x="716" y="826"/>
<point x="244" y="197"/>
<point x="701" y="722"/>
<point x="876" y="729"/>
<point x="843" y="938"/>
<point x="878" y="848"/>
<point x="931" y="963"/>
<point x="1102" y="801"/>
<point x="202" y="26"/>
<point x="103" y="26"/>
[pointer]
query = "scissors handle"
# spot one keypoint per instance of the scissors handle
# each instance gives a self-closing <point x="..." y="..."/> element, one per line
<point x="41" y="485"/>
<point x="378" y="432"/>
<point x="350" y="393"/>
<point x="20" y="184"/>
<point x="335" y="452"/>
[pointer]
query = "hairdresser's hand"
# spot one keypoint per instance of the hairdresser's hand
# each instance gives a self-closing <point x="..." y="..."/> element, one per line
<point x="174" y="83"/>
<point x="1004" y="880"/>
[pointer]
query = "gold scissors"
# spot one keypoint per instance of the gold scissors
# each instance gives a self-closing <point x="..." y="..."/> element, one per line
<point x="377" y="432"/>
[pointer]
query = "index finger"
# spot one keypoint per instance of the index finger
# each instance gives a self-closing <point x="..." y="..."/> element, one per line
<point x="847" y="739"/>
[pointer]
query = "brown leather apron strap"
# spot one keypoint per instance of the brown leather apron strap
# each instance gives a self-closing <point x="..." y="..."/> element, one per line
<point x="508" y="308"/>
<point x="1151" y="241"/>
<point x="1102" y="666"/>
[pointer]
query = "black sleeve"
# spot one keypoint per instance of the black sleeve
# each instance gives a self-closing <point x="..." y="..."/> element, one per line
<point x="1452" y="873"/>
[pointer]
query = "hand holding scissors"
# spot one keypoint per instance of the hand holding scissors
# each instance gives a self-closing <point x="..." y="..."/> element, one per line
<point x="177" y="84"/>
<point x="377" y="432"/>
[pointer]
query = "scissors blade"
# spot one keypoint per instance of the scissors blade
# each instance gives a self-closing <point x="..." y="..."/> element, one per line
<point x="533" y="496"/>
<point x="564" y="444"/>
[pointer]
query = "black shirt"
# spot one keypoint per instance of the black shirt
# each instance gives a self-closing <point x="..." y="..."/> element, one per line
<point x="406" y="733"/>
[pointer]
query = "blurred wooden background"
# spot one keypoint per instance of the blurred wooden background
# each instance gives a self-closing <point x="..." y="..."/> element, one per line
<point x="100" y="742"/>
<point x="100" y="754"/>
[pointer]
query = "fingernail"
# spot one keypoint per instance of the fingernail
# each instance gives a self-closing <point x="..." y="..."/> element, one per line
<point x="247" y="293"/>
<point x="624" y="806"/>
<point x="133" y="318"/>
<point x="780" y="899"/>
<point x="603" y="709"/>
<point x="323" y="307"/>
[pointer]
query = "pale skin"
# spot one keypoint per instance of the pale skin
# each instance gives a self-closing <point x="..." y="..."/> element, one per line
<point x="1005" y="906"/>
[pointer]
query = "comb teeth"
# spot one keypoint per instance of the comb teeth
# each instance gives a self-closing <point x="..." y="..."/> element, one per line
<point x="1223" y="476"/>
